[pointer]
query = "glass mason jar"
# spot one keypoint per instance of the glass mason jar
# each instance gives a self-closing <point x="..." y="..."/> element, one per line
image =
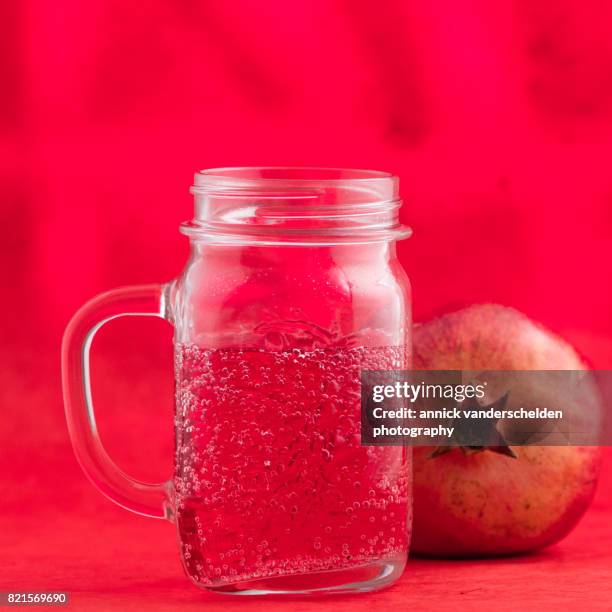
<point x="292" y="287"/>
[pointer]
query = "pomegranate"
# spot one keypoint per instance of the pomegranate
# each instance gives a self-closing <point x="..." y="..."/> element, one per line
<point x="477" y="503"/>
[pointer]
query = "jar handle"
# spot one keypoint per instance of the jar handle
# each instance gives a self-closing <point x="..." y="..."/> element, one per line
<point x="146" y="300"/>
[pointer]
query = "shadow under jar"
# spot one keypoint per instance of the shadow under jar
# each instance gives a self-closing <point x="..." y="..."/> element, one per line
<point x="291" y="289"/>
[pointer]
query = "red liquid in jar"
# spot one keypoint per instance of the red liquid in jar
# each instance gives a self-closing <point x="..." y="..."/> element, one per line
<point x="271" y="477"/>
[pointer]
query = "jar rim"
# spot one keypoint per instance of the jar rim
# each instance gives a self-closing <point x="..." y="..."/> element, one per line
<point x="292" y="204"/>
<point x="251" y="176"/>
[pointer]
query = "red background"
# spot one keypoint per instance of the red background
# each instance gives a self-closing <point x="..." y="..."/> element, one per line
<point x="497" y="116"/>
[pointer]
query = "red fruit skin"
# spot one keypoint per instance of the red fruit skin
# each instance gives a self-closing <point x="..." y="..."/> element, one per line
<point x="486" y="504"/>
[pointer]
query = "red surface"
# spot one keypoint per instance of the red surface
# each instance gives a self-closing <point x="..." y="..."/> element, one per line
<point x="498" y="119"/>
